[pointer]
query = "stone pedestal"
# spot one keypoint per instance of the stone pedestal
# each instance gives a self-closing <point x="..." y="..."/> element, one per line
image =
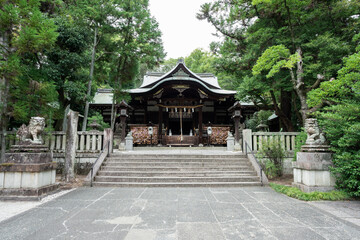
<point x="311" y="169"/>
<point x="28" y="173"/>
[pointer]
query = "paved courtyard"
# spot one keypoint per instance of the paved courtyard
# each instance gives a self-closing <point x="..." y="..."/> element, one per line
<point x="176" y="213"/>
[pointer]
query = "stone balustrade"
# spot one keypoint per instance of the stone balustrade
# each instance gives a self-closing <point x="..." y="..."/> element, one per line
<point x="287" y="139"/>
<point x="88" y="141"/>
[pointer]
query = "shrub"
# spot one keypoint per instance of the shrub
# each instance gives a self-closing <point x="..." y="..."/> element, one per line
<point x="258" y="118"/>
<point x="313" y="196"/>
<point x="99" y="119"/>
<point x="272" y="156"/>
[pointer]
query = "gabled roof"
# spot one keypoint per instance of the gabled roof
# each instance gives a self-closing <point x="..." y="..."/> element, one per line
<point x="180" y="71"/>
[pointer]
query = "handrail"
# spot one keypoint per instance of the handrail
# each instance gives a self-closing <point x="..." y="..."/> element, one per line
<point x="106" y="147"/>
<point x="257" y="161"/>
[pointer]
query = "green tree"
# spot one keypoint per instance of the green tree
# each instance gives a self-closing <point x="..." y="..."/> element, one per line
<point x="66" y="64"/>
<point x="200" y="61"/>
<point x="23" y="29"/>
<point x="318" y="32"/>
<point x="340" y="118"/>
<point x="136" y="41"/>
<point x="97" y="17"/>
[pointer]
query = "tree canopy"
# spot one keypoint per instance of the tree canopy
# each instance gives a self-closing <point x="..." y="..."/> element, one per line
<point x="278" y="50"/>
<point x="56" y="53"/>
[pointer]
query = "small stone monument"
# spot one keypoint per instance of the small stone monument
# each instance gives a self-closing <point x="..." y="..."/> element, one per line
<point x="129" y="142"/>
<point x="311" y="169"/>
<point x="28" y="171"/>
<point x="230" y="142"/>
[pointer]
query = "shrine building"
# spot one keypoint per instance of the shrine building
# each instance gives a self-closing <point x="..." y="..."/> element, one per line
<point x="180" y="107"/>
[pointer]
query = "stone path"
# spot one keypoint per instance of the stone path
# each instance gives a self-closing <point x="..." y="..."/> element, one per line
<point x="176" y="213"/>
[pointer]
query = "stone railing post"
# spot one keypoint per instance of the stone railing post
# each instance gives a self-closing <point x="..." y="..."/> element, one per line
<point x="70" y="149"/>
<point x="247" y="137"/>
<point x="108" y="136"/>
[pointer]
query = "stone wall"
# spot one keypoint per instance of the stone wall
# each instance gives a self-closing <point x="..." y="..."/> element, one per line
<point x="83" y="163"/>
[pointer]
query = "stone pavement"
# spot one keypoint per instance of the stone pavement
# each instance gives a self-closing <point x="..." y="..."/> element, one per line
<point x="176" y="213"/>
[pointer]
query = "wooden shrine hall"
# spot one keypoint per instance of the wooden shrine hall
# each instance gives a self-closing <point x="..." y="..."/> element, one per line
<point x="178" y="108"/>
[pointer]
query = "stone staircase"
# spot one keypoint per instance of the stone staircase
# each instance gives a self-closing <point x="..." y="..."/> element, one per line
<point x="176" y="170"/>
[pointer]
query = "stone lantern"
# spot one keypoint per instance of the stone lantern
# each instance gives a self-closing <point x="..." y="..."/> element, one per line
<point x="95" y="126"/>
<point x="124" y="114"/>
<point x="236" y="116"/>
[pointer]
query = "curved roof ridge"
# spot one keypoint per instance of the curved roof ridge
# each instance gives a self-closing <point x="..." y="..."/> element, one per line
<point x="182" y="71"/>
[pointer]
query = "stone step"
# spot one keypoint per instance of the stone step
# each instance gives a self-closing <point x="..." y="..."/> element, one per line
<point x="211" y="160"/>
<point x="164" y="168"/>
<point x="176" y="179"/>
<point x="177" y="184"/>
<point x="176" y="156"/>
<point x="176" y="170"/>
<point x="177" y="173"/>
<point x="174" y="164"/>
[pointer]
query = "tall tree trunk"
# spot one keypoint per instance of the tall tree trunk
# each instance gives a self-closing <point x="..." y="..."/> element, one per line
<point x="4" y="117"/>
<point x="4" y="94"/>
<point x="286" y="122"/>
<point x="118" y="80"/>
<point x="86" y="111"/>
<point x="299" y="86"/>
<point x="285" y="106"/>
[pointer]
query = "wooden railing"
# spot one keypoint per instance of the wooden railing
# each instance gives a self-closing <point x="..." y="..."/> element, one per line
<point x="287" y="139"/>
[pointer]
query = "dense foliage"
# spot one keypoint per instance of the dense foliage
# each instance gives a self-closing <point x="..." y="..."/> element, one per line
<point x="59" y="54"/>
<point x="340" y="119"/>
<point x="24" y="30"/>
<point x="293" y="44"/>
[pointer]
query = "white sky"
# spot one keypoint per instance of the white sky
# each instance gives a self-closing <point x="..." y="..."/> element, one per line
<point x="182" y="31"/>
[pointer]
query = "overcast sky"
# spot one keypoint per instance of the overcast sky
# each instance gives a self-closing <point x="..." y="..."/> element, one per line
<point x="182" y="31"/>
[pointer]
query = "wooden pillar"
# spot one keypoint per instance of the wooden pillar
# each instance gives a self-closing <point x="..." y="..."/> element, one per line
<point x="145" y="114"/>
<point x="70" y="150"/>
<point x="200" y="125"/>
<point x="215" y="114"/>
<point x="227" y="117"/>
<point x="160" y="124"/>
<point x="123" y="127"/>
<point x="236" y="126"/>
